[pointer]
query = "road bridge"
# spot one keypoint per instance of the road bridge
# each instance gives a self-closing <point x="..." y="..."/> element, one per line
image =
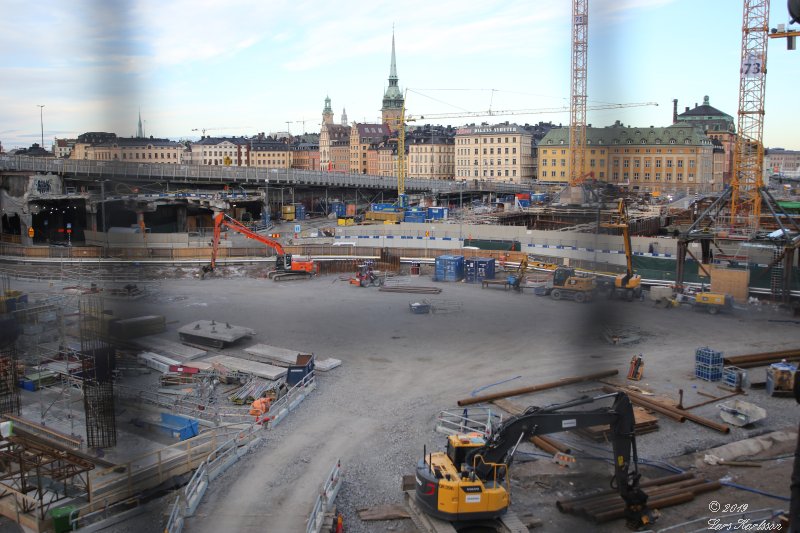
<point x="243" y="176"/>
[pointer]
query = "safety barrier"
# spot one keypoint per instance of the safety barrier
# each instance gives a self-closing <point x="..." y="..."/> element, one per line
<point x="325" y="498"/>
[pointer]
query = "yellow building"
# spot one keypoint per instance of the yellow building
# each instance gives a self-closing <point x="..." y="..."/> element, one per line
<point x="132" y="150"/>
<point x="503" y="152"/>
<point x="678" y="157"/>
<point x="431" y="153"/>
<point x="267" y="152"/>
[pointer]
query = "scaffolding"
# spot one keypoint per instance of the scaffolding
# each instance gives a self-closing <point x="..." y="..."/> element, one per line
<point x="98" y="358"/>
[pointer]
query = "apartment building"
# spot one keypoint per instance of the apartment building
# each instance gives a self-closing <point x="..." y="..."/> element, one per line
<point x="502" y="152"/>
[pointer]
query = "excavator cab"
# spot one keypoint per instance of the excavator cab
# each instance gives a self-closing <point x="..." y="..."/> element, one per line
<point x="561" y="275"/>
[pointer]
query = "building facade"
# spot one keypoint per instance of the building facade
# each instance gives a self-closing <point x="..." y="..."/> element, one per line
<point x="332" y="139"/>
<point x="718" y="126"/>
<point x="305" y="156"/>
<point x="223" y="151"/>
<point x="781" y="161"/>
<point x="268" y="152"/>
<point x="364" y="137"/>
<point x="503" y="152"/>
<point x="136" y="150"/>
<point x="431" y="153"/>
<point x="676" y="158"/>
<point x="63" y="147"/>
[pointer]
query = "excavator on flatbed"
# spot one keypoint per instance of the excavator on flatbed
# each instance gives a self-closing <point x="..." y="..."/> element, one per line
<point x="286" y="267"/>
<point x="469" y="482"/>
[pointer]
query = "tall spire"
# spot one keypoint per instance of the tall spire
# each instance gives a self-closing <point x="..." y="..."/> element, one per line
<point x="344" y="117"/>
<point x="139" y="129"/>
<point x="393" y="67"/>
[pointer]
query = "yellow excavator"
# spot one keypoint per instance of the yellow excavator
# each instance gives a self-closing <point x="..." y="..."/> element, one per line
<point x="469" y="481"/>
<point x="629" y="284"/>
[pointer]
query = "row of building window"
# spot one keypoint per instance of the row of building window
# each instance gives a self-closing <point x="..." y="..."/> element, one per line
<point x="489" y="140"/>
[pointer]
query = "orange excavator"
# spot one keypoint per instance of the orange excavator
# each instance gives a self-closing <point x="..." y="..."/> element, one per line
<point x="285" y="266"/>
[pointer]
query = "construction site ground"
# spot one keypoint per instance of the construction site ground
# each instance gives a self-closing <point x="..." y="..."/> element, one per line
<point x="378" y="410"/>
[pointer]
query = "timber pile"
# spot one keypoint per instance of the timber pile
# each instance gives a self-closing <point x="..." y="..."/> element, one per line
<point x="663" y="492"/>
<point x="762" y="359"/>
<point x="645" y="423"/>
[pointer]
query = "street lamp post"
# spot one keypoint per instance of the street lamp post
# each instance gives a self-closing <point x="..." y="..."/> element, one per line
<point x="41" y="121"/>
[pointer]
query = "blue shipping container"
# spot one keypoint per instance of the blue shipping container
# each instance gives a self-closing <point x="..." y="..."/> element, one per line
<point x="414" y="216"/>
<point x="449" y="268"/>
<point x="179" y="426"/>
<point x="299" y="212"/>
<point x="477" y="269"/>
<point x="437" y="213"/>
<point x="339" y="208"/>
<point x="383" y="207"/>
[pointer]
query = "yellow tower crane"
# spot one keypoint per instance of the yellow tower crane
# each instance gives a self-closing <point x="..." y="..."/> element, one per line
<point x="577" y="103"/>
<point x="748" y="155"/>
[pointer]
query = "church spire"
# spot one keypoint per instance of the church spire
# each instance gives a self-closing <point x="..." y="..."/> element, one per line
<point x="393" y="66"/>
<point x="139" y="129"/>
<point x="393" y="97"/>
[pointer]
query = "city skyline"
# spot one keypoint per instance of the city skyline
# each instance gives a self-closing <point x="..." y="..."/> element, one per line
<point x="248" y="68"/>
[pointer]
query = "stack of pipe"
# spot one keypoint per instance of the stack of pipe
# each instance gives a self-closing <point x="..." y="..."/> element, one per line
<point x="663" y="492"/>
<point x="762" y="359"/>
<point x="679" y="415"/>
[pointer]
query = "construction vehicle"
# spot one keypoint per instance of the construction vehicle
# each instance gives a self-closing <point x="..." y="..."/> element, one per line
<point x="515" y="280"/>
<point x="713" y="302"/>
<point x="629" y="284"/>
<point x="286" y="267"/>
<point x="470" y="481"/>
<point x="367" y="276"/>
<point x="566" y="285"/>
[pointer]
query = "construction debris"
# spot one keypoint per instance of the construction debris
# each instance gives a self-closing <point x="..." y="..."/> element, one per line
<point x="535" y="388"/>
<point x="741" y="413"/>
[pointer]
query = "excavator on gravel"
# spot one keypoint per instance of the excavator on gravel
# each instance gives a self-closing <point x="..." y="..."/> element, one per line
<point x="469" y="481"/>
<point x="286" y="267"/>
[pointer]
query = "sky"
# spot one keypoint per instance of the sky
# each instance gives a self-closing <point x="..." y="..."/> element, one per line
<point x="241" y="67"/>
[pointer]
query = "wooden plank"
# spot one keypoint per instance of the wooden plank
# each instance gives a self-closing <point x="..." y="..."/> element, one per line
<point x="383" y="512"/>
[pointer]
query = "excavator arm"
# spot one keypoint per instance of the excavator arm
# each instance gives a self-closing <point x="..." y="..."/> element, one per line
<point x="221" y="219"/>
<point x="502" y="444"/>
<point x="621" y="220"/>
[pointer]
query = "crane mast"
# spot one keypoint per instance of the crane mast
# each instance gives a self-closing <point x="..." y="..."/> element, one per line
<point x="748" y="159"/>
<point x="577" y="105"/>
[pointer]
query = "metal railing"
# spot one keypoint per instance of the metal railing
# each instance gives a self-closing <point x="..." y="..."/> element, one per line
<point x="122" y="171"/>
<point x="228" y="453"/>
<point x="325" y="498"/>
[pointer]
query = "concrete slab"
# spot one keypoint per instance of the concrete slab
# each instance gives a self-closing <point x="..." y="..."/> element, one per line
<point x="255" y="368"/>
<point x="213" y="333"/>
<point x="273" y="354"/>
<point x="169" y="348"/>
<point x="327" y="364"/>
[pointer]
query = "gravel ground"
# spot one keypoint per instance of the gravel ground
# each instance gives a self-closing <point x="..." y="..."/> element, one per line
<point x="377" y="411"/>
